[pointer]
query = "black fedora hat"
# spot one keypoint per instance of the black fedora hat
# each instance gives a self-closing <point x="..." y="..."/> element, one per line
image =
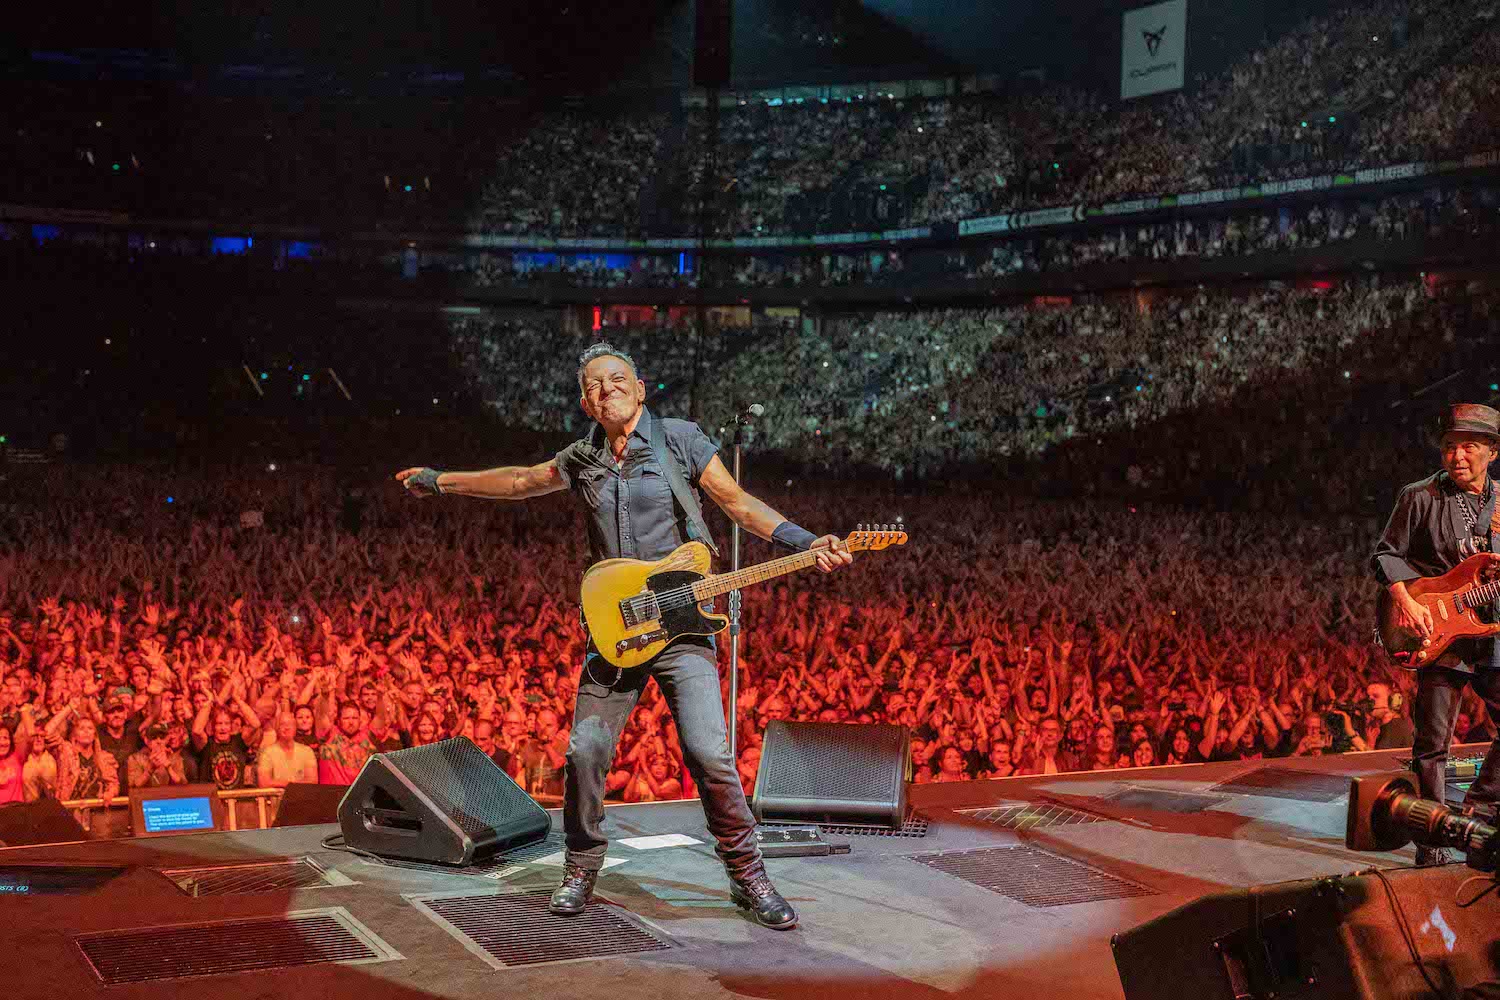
<point x="1470" y="418"/>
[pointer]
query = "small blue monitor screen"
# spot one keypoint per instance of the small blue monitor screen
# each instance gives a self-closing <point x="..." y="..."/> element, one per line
<point x="167" y="815"/>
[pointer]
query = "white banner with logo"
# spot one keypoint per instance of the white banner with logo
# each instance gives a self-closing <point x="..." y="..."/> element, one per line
<point x="1153" y="49"/>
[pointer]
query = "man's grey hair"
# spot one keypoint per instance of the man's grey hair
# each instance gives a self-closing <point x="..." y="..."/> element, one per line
<point x="602" y="350"/>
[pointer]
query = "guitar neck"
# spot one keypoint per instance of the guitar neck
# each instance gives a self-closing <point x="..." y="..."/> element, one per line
<point x="723" y="583"/>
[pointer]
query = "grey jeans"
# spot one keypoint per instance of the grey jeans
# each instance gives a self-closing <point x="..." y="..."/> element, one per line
<point x="1438" y="693"/>
<point x="688" y="675"/>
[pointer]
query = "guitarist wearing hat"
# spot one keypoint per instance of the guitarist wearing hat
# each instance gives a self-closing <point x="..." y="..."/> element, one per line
<point x="1437" y="523"/>
<point x="632" y="473"/>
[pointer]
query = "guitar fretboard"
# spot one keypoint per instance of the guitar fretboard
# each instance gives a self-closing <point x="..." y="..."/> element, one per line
<point x="725" y="582"/>
<point x="1477" y="597"/>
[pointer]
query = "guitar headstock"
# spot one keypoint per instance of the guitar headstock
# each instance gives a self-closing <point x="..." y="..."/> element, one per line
<point x="874" y="537"/>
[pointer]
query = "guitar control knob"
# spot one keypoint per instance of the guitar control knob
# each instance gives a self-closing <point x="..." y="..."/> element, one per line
<point x="1422" y="655"/>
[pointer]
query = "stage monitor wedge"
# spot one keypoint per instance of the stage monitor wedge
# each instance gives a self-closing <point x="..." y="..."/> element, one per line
<point x="446" y="803"/>
<point x="1337" y="936"/>
<point x="833" y="773"/>
<point x="42" y="822"/>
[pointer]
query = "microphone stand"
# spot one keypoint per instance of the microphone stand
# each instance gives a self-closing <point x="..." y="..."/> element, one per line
<point x="741" y="421"/>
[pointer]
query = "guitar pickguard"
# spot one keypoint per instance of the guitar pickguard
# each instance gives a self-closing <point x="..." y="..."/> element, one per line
<point x="686" y="620"/>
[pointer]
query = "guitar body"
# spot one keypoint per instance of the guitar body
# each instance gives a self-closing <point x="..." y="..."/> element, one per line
<point x="625" y="620"/>
<point x="1452" y="617"/>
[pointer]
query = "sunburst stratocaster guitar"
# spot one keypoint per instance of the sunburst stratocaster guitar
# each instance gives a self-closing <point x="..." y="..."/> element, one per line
<point x="633" y="608"/>
<point x="1454" y="599"/>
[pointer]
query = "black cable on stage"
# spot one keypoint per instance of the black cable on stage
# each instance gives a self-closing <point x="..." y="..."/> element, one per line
<point x="1494" y="884"/>
<point x="328" y="844"/>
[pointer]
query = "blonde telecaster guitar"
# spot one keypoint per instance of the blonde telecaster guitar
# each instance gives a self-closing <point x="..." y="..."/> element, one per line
<point x="633" y="608"/>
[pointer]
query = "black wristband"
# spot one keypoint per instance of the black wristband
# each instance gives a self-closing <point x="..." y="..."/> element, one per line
<point x="793" y="537"/>
<point x="429" y="479"/>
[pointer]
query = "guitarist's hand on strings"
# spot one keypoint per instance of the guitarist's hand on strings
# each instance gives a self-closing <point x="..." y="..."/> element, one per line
<point x="831" y="553"/>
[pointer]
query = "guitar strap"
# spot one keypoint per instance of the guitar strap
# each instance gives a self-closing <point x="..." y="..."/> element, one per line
<point x="697" y="529"/>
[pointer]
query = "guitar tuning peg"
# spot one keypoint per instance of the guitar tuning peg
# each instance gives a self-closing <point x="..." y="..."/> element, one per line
<point x="860" y="526"/>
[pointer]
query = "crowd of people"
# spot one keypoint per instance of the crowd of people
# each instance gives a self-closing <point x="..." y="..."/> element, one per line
<point x="250" y="655"/>
<point x="144" y="642"/>
<point x="1366" y="85"/>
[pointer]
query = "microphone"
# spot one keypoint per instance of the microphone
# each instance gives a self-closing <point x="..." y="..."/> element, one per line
<point x="749" y="411"/>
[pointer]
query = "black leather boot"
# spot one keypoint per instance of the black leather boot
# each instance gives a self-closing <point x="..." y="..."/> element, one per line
<point x="569" y="899"/>
<point x="756" y="894"/>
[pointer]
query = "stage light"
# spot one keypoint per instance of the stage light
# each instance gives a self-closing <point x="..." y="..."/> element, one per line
<point x="107" y="341"/>
<point x="171" y="499"/>
<point x="1332" y="119"/>
<point x="882" y="187"/>
<point x="98" y="124"/>
<point x="3" y="439"/>
<point x="1494" y="387"/>
<point x="408" y="187"/>
<point x="264" y="376"/>
<point x="271" y="467"/>
<point x="307" y="378"/>
<point x="661" y="385"/>
<point x="114" y="166"/>
<point x="1304" y="124"/>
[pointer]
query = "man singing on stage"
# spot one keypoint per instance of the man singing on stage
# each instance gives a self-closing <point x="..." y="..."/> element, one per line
<point x="1438" y="522"/>
<point x="621" y="473"/>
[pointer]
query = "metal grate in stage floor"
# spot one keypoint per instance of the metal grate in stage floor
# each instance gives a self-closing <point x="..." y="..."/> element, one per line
<point x="509" y="929"/>
<point x="1033" y="876"/>
<point x="1287" y="783"/>
<point x="1164" y="800"/>
<point x="261" y="876"/>
<point x="304" y="937"/>
<point x="1030" y="815"/>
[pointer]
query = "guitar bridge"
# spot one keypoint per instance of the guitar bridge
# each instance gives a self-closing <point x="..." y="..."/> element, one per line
<point x="639" y="610"/>
<point x="640" y="641"/>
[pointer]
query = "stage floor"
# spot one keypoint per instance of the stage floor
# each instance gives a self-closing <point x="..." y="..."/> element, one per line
<point x="1013" y="891"/>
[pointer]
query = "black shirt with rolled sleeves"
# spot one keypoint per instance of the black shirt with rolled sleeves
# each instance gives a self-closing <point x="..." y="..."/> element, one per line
<point x="630" y="509"/>
<point x="1423" y="538"/>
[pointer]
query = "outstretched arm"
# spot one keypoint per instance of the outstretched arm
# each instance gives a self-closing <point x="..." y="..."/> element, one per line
<point x="749" y="512"/>
<point x="758" y="517"/>
<point x="508" y="482"/>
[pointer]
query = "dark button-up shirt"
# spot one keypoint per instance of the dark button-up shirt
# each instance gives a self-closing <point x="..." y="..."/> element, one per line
<point x="1422" y="538"/>
<point x="630" y="510"/>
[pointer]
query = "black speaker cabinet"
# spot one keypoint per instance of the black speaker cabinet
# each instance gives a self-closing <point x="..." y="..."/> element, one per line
<point x="307" y="804"/>
<point x="829" y="772"/>
<point x="1340" y="936"/>
<point x="42" y="822"/>
<point x="446" y="803"/>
